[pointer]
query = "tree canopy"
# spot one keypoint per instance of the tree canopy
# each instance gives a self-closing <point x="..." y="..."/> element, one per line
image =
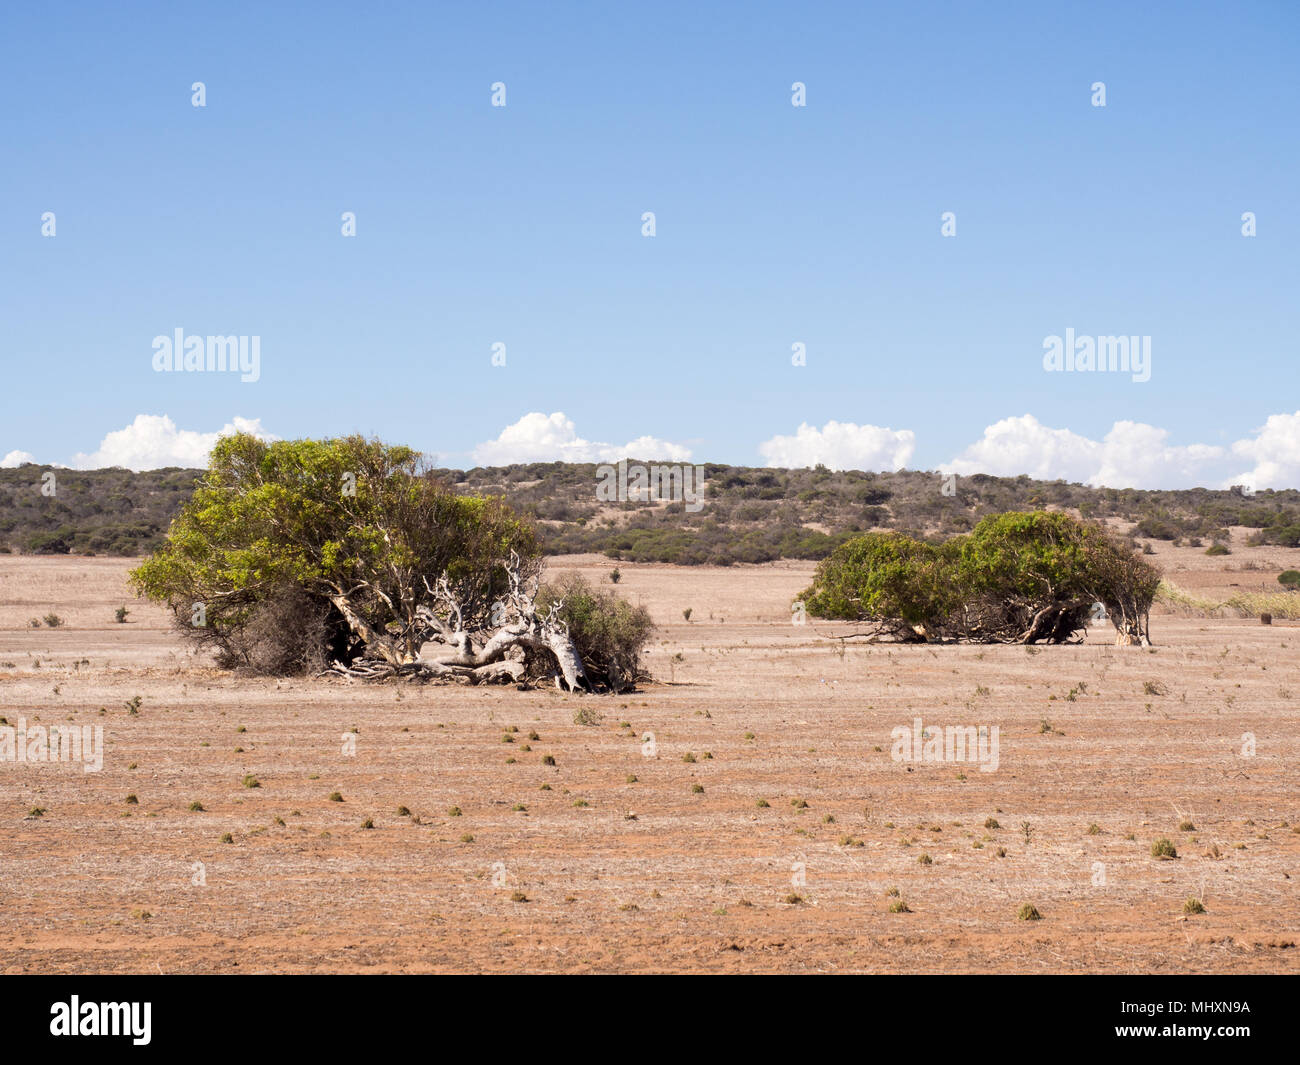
<point x="1025" y="576"/>
<point x="354" y="531"/>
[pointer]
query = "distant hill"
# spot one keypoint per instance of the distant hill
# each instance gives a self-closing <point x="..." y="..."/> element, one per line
<point x="104" y="512"/>
<point x="749" y="514"/>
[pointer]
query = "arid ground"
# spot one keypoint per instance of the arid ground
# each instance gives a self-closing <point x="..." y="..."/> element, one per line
<point x="761" y="829"/>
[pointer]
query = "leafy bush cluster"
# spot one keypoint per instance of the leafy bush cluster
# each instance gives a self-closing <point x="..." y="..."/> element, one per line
<point x="297" y="549"/>
<point x="608" y="631"/>
<point x="1022" y="576"/>
<point x="297" y="554"/>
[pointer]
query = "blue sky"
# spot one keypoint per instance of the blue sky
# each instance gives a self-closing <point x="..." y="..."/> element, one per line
<point x="774" y="225"/>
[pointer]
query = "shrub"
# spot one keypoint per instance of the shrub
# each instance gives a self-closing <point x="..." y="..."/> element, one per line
<point x="902" y="585"/>
<point x="1162" y="848"/>
<point x="289" y="564"/>
<point x="1157" y="529"/>
<point x="1218" y="549"/>
<point x="1289" y="579"/>
<point x="608" y="631"/>
<point x="286" y="632"/>
<point x="48" y="544"/>
<point x="1283" y="535"/>
<point x="1025" y="576"/>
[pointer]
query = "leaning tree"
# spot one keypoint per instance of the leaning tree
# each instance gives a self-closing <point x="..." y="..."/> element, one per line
<point x="1039" y="576"/>
<point x="348" y="555"/>
<point x="1027" y="577"/>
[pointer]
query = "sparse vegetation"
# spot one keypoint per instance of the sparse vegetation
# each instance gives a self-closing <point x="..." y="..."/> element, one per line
<point x="751" y="514"/>
<point x="1163" y="848"/>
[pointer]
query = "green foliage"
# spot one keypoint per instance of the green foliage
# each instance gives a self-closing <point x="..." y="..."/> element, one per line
<point x="888" y="578"/>
<point x="1157" y="529"/>
<point x="1282" y="535"/>
<point x="1031" y="575"/>
<point x="1289" y="579"/>
<point x="47" y="543"/>
<point x="750" y="515"/>
<point x="608" y="631"/>
<point x="333" y="538"/>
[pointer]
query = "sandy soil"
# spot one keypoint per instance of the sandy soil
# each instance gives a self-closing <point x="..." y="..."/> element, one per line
<point x="622" y="864"/>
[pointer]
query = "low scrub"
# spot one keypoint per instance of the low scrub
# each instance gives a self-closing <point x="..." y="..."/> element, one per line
<point x="1243" y="605"/>
<point x="1025" y="577"/>
<point x="609" y="632"/>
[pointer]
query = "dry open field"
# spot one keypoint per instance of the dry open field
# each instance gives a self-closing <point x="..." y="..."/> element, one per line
<point x="623" y="864"/>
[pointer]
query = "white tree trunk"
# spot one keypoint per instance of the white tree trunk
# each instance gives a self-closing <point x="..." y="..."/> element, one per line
<point x="462" y="649"/>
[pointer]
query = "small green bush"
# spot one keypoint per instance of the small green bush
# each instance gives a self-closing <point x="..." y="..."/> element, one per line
<point x="1162" y="848"/>
<point x="1028" y="576"/>
<point x="608" y="631"/>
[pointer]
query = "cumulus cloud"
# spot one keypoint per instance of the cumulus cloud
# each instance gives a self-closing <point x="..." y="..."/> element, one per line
<point x="153" y="441"/>
<point x="1275" y="450"/>
<point x="15" y="459"/>
<point x="538" y="437"/>
<point x="1130" y="455"/>
<point x="841" y="446"/>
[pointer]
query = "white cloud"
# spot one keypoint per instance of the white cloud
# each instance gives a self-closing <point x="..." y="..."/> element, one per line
<point x="538" y="437"/>
<point x="1135" y="455"/>
<point x="15" y="459"/>
<point x="1131" y="455"/>
<point x="153" y="441"/>
<point x="1275" y="451"/>
<point x="841" y="446"/>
